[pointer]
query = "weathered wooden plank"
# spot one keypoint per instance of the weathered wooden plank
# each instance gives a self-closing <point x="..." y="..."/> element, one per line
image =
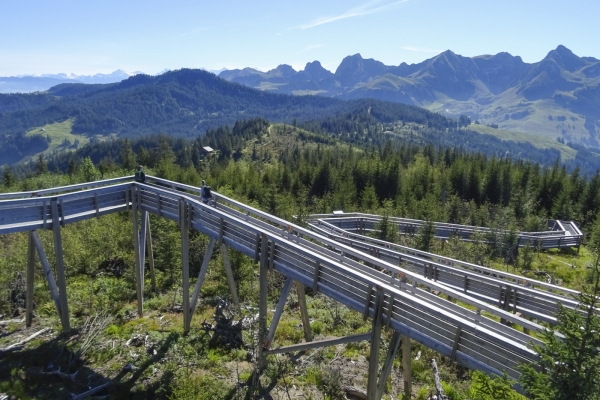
<point x="285" y="291"/>
<point x="136" y="249"/>
<point x="30" y="280"/>
<point x="185" y="264"/>
<point x="229" y="273"/>
<point x="60" y="267"/>
<point x="48" y="273"/>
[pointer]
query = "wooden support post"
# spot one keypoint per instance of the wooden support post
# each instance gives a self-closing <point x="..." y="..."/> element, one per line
<point x="185" y="264"/>
<point x="262" y="306"/>
<point x="60" y="267"/>
<point x="30" y="278"/>
<point x="143" y="238"/>
<point x="303" y="311"/>
<point x="406" y="367"/>
<point x="389" y="363"/>
<point x="278" y="311"/>
<point x="455" y="345"/>
<point x="229" y="273"/>
<point x="150" y="253"/>
<point x="136" y="245"/>
<point x="47" y="272"/>
<point x="201" y="275"/>
<point x="375" y="344"/>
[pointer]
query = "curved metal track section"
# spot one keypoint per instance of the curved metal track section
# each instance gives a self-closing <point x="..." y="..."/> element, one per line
<point x="346" y="274"/>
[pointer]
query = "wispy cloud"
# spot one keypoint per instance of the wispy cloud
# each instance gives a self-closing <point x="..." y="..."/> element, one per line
<point x="370" y="7"/>
<point x="192" y="32"/>
<point x="311" y="47"/>
<point x="421" y="49"/>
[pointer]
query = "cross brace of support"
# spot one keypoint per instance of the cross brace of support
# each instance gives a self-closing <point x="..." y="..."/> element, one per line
<point x="320" y="343"/>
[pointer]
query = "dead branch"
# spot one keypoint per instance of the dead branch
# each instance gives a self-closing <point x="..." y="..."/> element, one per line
<point x="91" y="392"/>
<point x="69" y="377"/>
<point x="9" y="321"/>
<point x="22" y="342"/>
<point x="438" y="382"/>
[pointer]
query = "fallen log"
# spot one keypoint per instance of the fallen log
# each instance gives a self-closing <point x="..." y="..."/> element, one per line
<point x="22" y="342"/>
<point x="91" y="392"/>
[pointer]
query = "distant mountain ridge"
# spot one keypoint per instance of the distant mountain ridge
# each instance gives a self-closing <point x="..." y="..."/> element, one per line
<point x="43" y="82"/>
<point x="178" y="103"/>
<point x="557" y="97"/>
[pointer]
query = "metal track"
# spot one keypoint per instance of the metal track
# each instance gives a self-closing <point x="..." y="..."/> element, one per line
<point x="338" y="271"/>
<point x="563" y="234"/>
<point x="534" y="299"/>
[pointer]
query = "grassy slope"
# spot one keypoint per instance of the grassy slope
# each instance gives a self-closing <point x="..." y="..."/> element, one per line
<point x="541" y="142"/>
<point x="536" y="123"/>
<point x="58" y="132"/>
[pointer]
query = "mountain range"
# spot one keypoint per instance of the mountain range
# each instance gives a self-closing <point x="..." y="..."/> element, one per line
<point x="43" y="82"/>
<point x="181" y="103"/>
<point x="557" y="97"/>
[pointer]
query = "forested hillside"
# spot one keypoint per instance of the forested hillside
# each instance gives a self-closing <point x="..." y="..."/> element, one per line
<point x="288" y="172"/>
<point x="422" y="181"/>
<point x="180" y="103"/>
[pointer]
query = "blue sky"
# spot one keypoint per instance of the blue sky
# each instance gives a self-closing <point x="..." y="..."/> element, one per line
<point x="90" y="36"/>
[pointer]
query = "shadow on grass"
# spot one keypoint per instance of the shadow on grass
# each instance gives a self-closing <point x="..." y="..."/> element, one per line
<point x="33" y="373"/>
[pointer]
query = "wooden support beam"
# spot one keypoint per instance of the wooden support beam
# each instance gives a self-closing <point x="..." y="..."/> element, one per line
<point x="201" y="275"/>
<point x="143" y="238"/>
<point x="271" y="255"/>
<point x="303" y="312"/>
<point x="30" y="279"/>
<point x="388" y="313"/>
<point x="96" y="205"/>
<point x="150" y="253"/>
<point x="455" y="345"/>
<point x="375" y="345"/>
<point x="320" y="343"/>
<point x="262" y="305"/>
<point x="406" y="367"/>
<point x="367" y="303"/>
<point x="388" y="364"/>
<point x="60" y="267"/>
<point x="257" y="248"/>
<point x="229" y="273"/>
<point x="316" y="277"/>
<point x="185" y="263"/>
<point x="278" y="311"/>
<point x="47" y="272"/>
<point x="136" y="251"/>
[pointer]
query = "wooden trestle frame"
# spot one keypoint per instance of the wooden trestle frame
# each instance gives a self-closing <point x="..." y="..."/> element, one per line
<point x="393" y="297"/>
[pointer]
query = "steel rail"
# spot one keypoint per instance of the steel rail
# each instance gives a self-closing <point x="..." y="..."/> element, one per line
<point x="562" y="238"/>
<point x="493" y="298"/>
<point x="534" y="303"/>
<point x="451" y="330"/>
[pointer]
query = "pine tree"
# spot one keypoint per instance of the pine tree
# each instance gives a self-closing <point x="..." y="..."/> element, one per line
<point x="127" y="156"/>
<point x="40" y="166"/>
<point x="569" y="367"/>
<point x="8" y="178"/>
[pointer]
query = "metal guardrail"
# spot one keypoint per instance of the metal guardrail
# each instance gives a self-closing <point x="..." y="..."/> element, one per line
<point x="507" y="291"/>
<point x="375" y="266"/>
<point x="341" y="274"/>
<point x="559" y="237"/>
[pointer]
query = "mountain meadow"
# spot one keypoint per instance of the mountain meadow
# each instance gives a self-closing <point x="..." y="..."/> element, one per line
<point x="289" y="170"/>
